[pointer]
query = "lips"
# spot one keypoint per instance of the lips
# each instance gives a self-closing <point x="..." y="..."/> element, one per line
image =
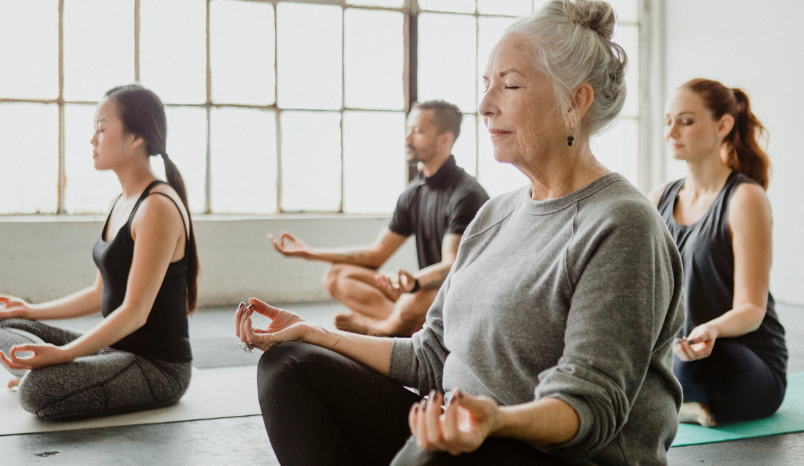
<point x="498" y="132"/>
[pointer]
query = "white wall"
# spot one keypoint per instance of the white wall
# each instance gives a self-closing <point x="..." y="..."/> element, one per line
<point x="754" y="45"/>
<point x="44" y="257"/>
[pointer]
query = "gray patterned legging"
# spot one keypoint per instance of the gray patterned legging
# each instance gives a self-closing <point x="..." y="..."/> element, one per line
<point x="101" y="384"/>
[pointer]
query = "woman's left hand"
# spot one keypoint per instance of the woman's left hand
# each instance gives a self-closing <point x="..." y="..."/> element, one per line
<point x="43" y="355"/>
<point x="461" y="428"/>
<point x="698" y="345"/>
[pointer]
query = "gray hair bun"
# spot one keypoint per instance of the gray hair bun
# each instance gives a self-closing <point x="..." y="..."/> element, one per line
<point x="595" y="15"/>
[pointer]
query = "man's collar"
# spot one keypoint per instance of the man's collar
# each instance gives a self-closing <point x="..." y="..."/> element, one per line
<point x="443" y="174"/>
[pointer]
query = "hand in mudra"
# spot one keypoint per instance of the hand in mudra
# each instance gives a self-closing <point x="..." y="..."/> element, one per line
<point x="394" y="287"/>
<point x="284" y="326"/>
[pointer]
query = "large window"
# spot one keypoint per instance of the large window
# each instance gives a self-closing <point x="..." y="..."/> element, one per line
<point x="272" y="106"/>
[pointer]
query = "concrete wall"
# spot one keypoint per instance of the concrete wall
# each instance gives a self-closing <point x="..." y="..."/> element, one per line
<point x="43" y="257"/>
<point x="754" y="45"/>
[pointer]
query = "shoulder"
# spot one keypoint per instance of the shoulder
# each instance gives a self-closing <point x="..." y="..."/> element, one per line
<point x="619" y="207"/>
<point x="749" y="204"/>
<point x="161" y="208"/>
<point x="656" y="195"/>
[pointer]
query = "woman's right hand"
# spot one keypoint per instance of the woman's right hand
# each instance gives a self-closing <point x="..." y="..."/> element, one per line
<point x="11" y="307"/>
<point x="284" y="326"/>
<point x="294" y="248"/>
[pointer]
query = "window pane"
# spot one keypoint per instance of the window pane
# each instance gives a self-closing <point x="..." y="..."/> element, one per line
<point x="504" y="7"/>
<point x="456" y="6"/>
<point x="375" y="55"/>
<point x="490" y="30"/>
<point x="98" y="47"/>
<point x="497" y="178"/>
<point x="465" y="148"/>
<point x="243" y="152"/>
<point x="29" y="49"/>
<point x="447" y="60"/>
<point x="187" y="146"/>
<point x="373" y="161"/>
<point x="385" y="3"/>
<point x="310" y="56"/>
<point x="618" y="148"/>
<point x="628" y="38"/>
<point x="87" y="189"/>
<point x="241" y="39"/>
<point x="627" y="10"/>
<point x="311" y="166"/>
<point x="29" y="157"/>
<point x="173" y="49"/>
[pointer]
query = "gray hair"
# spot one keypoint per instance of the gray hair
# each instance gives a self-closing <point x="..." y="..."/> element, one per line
<point x="571" y="44"/>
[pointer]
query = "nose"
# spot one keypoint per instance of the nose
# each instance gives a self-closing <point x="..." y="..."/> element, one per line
<point x="94" y="139"/>
<point x="671" y="131"/>
<point x="488" y="106"/>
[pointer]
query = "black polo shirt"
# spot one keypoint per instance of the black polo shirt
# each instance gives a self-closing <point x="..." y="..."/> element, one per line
<point x="432" y="207"/>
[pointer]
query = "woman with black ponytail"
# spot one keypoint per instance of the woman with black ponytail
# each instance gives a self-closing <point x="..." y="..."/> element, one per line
<point x="139" y="356"/>
<point x="730" y="356"/>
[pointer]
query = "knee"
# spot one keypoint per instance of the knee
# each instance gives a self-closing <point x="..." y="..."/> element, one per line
<point x="280" y="364"/>
<point x="33" y="390"/>
<point x="332" y="279"/>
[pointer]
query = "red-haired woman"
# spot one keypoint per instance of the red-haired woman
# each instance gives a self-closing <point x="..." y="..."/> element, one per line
<point x="731" y="356"/>
<point x="139" y="356"/>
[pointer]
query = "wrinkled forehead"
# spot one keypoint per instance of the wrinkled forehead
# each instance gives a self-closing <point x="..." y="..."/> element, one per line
<point x="511" y="52"/>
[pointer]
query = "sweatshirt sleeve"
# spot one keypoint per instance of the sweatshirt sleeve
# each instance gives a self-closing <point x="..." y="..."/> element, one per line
<point x="623" y="279"/>
<point x="418" y="361"/>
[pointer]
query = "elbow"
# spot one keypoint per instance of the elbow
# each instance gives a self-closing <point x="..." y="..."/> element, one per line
<point x="758" y="315"/>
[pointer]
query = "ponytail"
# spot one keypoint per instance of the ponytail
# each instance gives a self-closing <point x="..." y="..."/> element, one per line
<point x="744" y="154"/>
<point x="176" y="182"/>
<point x="142" y="113"/>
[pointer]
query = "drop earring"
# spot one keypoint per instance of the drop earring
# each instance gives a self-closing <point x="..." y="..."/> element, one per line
<point x="569" y="140"/>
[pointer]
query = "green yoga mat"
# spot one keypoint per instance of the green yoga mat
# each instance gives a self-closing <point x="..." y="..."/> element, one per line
<point x="789" y="418"/>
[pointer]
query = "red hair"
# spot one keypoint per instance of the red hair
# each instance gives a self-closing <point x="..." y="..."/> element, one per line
<point x="744" y="153"/>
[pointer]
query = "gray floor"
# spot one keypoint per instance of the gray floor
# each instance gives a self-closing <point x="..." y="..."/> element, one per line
<point x="242" y="441"/>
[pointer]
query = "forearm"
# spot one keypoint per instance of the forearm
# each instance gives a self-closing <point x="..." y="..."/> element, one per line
<point x="432" y="277"/>
<point x="361" y="257"/>
<point x="742" y="319"/>
<point x="374" y="352"/>
<point x="541" y="423"/>
<point x="119" y="324"/>
<point x="80" y="303"/>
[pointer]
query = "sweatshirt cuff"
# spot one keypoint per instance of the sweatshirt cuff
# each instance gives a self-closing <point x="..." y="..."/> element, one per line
<point x="402" y="355"/>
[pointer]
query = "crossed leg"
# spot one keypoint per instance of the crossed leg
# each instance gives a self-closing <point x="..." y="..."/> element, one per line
<point x="373" y="311"/>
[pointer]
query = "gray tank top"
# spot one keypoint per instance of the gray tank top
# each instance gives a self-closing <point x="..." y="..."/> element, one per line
<point x="707" y="256"/>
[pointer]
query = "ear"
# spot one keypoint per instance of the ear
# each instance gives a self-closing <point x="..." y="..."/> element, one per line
<point x="447" y="138"/>
<point x="136" y="141"/>
<point x="724" y="126"/>
<point x="580" y="101"/>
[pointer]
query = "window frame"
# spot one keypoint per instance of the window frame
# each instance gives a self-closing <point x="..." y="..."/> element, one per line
<point x="650" y="168"/>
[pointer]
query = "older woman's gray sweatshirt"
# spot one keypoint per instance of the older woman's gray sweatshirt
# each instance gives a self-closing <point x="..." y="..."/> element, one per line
<point x="577" y="298"/>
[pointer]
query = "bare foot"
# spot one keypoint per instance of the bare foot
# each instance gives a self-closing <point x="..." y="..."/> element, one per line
<point x="353" y="322"/>
<point x="13" y="383"/>
<point x="696" y="413"/>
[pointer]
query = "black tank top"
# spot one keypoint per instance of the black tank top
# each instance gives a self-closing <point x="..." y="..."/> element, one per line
<point x="707" y="256"/>
<point x="165" y="335"/>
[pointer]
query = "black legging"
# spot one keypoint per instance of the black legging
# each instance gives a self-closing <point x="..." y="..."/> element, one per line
<point x="320" y="407"/>
<point x="736" y="383"/>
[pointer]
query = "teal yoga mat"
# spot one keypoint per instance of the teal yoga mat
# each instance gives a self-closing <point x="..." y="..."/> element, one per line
<point x="789" y="418"/>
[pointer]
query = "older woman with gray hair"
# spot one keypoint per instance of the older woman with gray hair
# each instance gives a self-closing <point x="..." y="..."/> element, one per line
<point x="551" y="339"/>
